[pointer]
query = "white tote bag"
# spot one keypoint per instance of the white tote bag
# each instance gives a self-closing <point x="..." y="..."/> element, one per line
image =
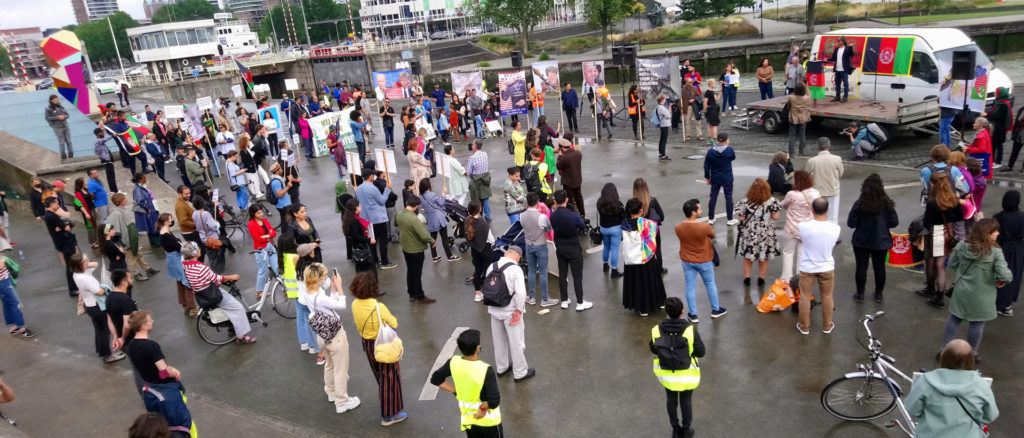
<point x="632" y="244"/>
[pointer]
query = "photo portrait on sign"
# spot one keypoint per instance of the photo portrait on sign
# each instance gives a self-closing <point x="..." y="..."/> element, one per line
<point x="545" y="76"/>
<point x="467" y="81"/>
<point x="593" y="75"/>
<point x="274" y="114"/>
<point x="389" y="84"/>
<point x="513" y="93"/>
<point x="656" y="76"/>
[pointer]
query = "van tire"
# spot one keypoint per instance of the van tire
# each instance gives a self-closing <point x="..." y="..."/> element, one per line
<point x="772" y="122"/>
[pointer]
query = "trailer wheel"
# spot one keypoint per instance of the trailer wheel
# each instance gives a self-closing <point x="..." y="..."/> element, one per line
<point x="772" y="122"/>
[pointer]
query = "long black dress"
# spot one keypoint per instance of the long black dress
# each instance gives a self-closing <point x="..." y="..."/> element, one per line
<point x="643" y="290"/>
<point x="1011" y="239"/>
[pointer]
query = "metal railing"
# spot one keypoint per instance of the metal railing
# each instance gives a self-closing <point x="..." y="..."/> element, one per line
<point x="383" y="47"/>
<point x="218" y="68"/>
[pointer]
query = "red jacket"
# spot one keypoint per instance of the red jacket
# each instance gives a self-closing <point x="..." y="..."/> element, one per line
<point x="257" y="232"/>
<point x="982" y="145"/>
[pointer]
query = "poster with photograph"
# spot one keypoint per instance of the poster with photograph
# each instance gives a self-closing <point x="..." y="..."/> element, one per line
<point x="656" y="76"/>
<point x="274" y="114"/>
<point x="827" y="45"/>
<point x="468" y="81"/>
<point x="514" y="98"/>
<point x="394" y="84"/>
<point x="593" y="75"/>
<point x="545" y="76"/>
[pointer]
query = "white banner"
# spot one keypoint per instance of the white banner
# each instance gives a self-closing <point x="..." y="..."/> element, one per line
<point x="291" y="84"/>
<point x="204" y="103"/>
<point x="174" y="112"/>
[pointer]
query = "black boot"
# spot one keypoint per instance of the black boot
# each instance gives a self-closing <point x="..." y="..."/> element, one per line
<point x="936" y="300"/>
<point x="858" y="296"/>
<point x="878" y="296"/>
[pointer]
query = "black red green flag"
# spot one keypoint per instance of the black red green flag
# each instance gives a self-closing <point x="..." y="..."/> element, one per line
<point x="816" y="79"/>
<point x="889" y="55"/>
<point x="246" y="75"/>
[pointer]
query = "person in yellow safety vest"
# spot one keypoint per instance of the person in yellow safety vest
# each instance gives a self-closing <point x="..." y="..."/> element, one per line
<point x="636" y="115"/>
<point x="679" y="384"/>
<point x="537" y="161"/>
<point x="537" y="98"/>
<point x="475" y="388"/>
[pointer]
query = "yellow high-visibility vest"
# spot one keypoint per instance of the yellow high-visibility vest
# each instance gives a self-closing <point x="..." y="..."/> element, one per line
<point x="291" y="284"/>
<point x="679" y="380"/>
<point x="468" y="376"/>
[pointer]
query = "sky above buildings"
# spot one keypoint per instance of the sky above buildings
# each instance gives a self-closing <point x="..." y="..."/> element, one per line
<point x="51" y="13"/>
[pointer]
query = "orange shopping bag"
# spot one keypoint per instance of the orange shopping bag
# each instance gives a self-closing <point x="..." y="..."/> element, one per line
<point x="778" y="297"/>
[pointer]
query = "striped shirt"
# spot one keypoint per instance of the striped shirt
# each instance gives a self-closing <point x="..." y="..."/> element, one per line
<point x="199" y="276"/>
<point x="4" y="273"/>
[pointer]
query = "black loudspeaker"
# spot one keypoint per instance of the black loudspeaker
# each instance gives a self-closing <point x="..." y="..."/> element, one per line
<point x="963" y="65"/>
<point x="617" y="54"/>
<point x="629" y="55"/>
<point x="517" y="59"/>
<point x="414" y="67"/>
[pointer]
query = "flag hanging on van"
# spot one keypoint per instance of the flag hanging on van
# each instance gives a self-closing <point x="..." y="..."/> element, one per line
<point x="889" y="55"/>
<point x="816" y="79"/>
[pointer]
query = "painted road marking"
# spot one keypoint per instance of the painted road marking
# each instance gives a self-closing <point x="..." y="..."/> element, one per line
<point x="429" y="391"/>
<point x="902" y="186"/>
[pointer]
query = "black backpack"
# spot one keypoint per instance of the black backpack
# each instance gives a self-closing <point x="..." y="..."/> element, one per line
<point x="531" y="176"/>
<point x="270" y="193"/>
<point x="495" y="289"/>
<point x="673" y="351"/>
<point x="949" y="176"/>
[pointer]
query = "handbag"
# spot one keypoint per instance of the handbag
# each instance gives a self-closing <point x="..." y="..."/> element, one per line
<point x="362" y="254"/>
<point x="632" y="253"/>
<point x="511" y="147"/>
<point x="949" y="292"/>
<point x="210" y="242"/>
<point x="595" y="236"/>
<point x="210" y="296"/>
<point x="325" y="324"/>
<point x="388" y="346"/>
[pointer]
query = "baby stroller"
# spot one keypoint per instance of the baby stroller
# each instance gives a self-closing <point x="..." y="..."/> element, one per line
<point x="513" y="236"/>
<point x="457" y="214"/>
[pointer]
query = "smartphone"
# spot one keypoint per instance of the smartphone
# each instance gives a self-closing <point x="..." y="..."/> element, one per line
<point x="335" y="272"/>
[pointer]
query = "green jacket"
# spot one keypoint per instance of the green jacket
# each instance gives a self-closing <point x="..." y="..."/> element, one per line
<point x="933" y="399"/>
<point x="194" y="171"/>
<point x="412" y="234"/>
<point x="340" y="188"/>
<point x="974" y="282"/>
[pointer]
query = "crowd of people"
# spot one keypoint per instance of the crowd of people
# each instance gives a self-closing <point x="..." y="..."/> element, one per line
<point x="542" y="193"/>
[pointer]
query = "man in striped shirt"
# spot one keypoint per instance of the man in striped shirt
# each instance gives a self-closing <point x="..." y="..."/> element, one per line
<point x="200" y="277"/>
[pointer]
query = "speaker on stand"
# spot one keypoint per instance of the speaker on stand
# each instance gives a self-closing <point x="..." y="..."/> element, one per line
<point x="517" y="59"/>
<point x="963" y="70"/>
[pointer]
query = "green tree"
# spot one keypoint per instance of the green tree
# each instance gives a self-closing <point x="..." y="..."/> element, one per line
<point x="840" y="6"/>
<point x="722" y="8"/>
<point x="185" y="10"/>
<point x="316" y="10"/>
<point x="521" y="15"/>
<point x="5" y="67"/>
<point x="694" y="9"/>
<point x="602" y="14"/>
<point x="98" y="42"/>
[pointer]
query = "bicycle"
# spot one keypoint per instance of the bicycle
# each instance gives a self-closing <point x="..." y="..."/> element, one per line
<point x="282" y="303"/>
<point x="869" y="392"/>
<point x="235" y="219"/>
<point x="213" y="324"/>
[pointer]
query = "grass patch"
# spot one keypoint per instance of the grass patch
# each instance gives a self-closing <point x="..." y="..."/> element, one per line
<point x="483" y="64"/>
<point x="709" y="28"/>
<point x="670" y="44"/>
<point x="911" y="19"/>
<point x="501" y="45"/>
<point x="579" y="43"/>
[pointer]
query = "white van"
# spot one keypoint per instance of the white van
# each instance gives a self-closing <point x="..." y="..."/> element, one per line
<point x="932" y="48"/>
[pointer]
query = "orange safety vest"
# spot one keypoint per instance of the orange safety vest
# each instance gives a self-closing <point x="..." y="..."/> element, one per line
<point x="633" y="101"/>
<point x="537" y="98"/>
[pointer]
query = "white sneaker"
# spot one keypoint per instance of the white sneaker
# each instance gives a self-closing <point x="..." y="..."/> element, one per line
<point x="351" y="404"/>
<point x="330" y="398"/>
<point x="584" y="306"/>
<point x="565" y="304"/>
<point x="711" y="221"/>
<point x="479" y="297"/>
<point x="531" y="301"/>
<point x="733" y="222"/>
<point x="304" y="346"/>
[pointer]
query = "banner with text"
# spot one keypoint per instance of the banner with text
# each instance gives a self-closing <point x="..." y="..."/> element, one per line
<point x="321" y="127"/>
<point x="514" y="99"/>
<point x="394" y="84"/>
<point x="545" y="76"/>
<point x="655" y="76"/>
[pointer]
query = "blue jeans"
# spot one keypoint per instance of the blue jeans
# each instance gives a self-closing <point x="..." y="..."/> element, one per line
<point x="265" y="258"/>
<point x="707" y="273"/>
<point x="945" y="125"/>
<point x="211" y="158"/>
<point x="13" y="316"/>
<point x="389" y="135"/>
<point x="308" y="143"/>
<point x="486" y="203"/>
<point x="513" y="218"/>
<point x="766" y="90"/>
<point x="612" y="239"/>
<point x="537" y="266"/>
<point x="242" y="198"/>
<point x="537" y="112"/>
<point x="843" y="78"/>
<point x="306" y="335"/>
<point x="479" y="127"/>
<point x="728" y="97"/>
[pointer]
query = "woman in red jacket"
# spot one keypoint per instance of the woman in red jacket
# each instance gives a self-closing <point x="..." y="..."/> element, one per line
<point x="981" y="147"/>
<point x="262" y="241"/>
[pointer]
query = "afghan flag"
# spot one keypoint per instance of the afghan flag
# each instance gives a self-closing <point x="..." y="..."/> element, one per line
<point x="816" y="79"/>
<point x="901" y="254"/>
<point x="889" y="55"/>
<point x="246" y="75"/>
<point x="132" y="133"/>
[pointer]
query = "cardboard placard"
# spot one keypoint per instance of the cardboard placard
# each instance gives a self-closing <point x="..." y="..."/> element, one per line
<point x="204" y="103"/>
<point x="236" y="90"/>
<point x="291" y="84"/>
<point x="386" y="160"/>
<point x="354" y="166"/>
<point x="174" y="112"/>
<point x="216" y="194"/>
<point x="442" y="165"/>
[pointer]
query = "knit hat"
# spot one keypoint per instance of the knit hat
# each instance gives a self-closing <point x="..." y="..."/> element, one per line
<point x="514" y="248"/>
<point x="305" y="249"/>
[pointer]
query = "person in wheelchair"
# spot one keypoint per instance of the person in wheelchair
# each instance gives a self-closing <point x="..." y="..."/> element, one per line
<point x="205" y="285"/>
<point x="863" y="142"/>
